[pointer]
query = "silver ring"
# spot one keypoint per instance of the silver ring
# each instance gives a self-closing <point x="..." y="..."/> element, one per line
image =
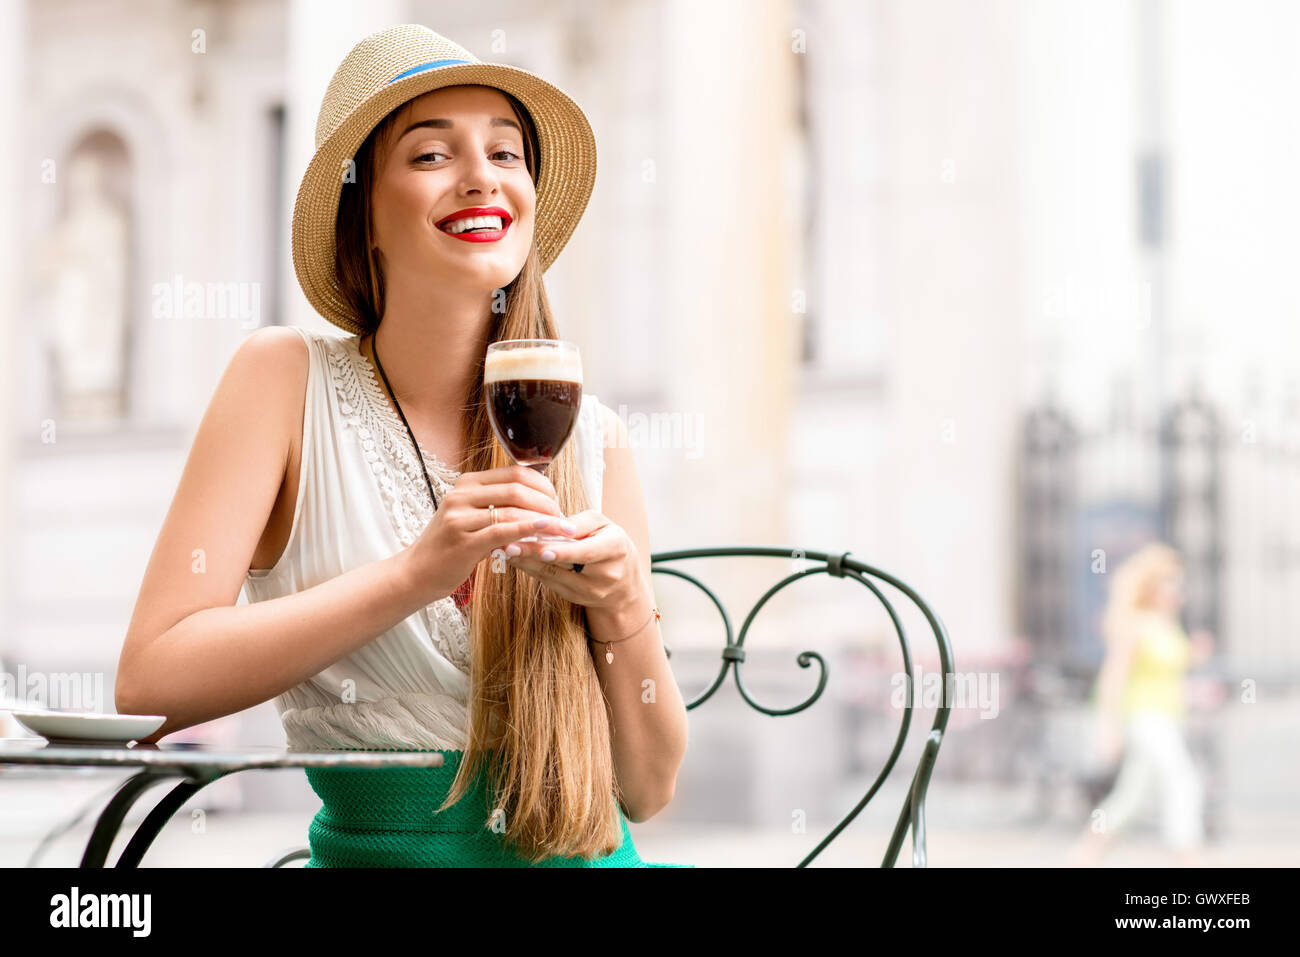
<point x="492" y="512"/>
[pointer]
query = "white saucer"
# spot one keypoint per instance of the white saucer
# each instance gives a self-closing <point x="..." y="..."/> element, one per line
<point x="78" y="727"/>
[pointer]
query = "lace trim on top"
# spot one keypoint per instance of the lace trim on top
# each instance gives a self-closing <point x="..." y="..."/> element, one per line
<point x="388" y="451"/>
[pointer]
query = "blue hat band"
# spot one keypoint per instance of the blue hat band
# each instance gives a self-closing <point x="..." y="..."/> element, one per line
<point x="422" y="67"/>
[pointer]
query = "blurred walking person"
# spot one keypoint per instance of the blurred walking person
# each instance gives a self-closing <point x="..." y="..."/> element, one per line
<point x="1142" y="707"/>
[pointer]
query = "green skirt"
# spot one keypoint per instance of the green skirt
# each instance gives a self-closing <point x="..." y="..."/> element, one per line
<point x="390" y="818"/>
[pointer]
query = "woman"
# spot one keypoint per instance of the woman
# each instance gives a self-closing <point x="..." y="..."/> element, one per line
<point x="1142" y="709"/>
<point x="392" y="605"/>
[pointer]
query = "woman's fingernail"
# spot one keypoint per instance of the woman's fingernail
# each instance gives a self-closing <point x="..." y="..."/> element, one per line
<point x="569" y="527"/>
<point x="513" y="550"/>
<point x="548" y="556"/>
<point x="541" y="523"/>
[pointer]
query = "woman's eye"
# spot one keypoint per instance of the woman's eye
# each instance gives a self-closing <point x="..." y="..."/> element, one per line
<point x="428" y="157"/>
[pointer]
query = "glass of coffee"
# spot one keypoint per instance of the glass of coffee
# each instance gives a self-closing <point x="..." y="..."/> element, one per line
<point x="534" y="393"/>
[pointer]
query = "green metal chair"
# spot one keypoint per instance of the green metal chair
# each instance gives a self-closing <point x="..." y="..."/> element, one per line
<point x="912" y="814"/>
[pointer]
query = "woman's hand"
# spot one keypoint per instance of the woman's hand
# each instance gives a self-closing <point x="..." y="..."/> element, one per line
<point x="611" y="567"/>
<point x="461" y="532"/>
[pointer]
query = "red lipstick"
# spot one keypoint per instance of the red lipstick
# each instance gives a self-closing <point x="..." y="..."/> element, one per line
<point x="477" y="235"/>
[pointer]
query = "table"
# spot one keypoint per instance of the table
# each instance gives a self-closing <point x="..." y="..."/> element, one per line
<point x="194" y="766"/>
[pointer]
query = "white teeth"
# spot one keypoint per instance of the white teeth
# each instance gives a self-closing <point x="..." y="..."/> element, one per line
<point x="460" y="225"/>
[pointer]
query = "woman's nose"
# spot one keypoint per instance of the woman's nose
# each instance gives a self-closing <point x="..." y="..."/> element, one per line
<point x="479" y="175"/>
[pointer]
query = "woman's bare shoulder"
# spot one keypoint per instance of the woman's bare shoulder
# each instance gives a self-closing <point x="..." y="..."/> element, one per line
<point x="274" y="360"/>
<point x="266" y="379"/>
<point x="276" y="343"/>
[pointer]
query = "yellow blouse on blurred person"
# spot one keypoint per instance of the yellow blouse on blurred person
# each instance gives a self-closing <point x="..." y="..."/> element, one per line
<point x="1159" y="668"/>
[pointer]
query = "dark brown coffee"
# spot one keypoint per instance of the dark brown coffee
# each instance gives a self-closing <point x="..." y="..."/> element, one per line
<point x="534" y="394"/>
<point x="532" y="418"/>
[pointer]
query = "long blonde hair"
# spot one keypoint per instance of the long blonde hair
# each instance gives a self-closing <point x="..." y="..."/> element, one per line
<point x="1133" y="584"/>
<point x="538" y="720"/>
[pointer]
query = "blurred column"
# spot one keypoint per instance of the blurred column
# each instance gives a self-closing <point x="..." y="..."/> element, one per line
<point x="953" y="280"/>
<point x="321" y="33"/>
<point x="729" y="343"/>
<point x="13" y="28"/>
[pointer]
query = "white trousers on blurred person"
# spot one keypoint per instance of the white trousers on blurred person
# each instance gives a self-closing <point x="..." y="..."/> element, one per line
<point x="1157" y="762"/>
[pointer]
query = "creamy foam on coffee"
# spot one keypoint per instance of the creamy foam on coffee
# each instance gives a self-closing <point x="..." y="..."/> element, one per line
<point x="536" y="362"/>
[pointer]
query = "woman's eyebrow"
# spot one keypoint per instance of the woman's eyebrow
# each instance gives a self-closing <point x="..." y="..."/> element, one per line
<point x="440" y="124"/>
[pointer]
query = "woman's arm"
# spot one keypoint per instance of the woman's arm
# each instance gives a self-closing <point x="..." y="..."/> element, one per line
<point x="190" y="652"/>
<point x="1120" y="647"/>
<point x="648" y="716"/>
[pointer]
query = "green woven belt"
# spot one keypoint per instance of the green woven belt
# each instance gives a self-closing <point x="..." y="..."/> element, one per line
<point x="389" y="818"/>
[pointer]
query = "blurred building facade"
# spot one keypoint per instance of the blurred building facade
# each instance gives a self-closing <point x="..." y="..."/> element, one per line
<point x="850" y="242"/>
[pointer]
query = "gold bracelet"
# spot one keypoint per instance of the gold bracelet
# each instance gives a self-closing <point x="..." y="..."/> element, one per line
<point x="609" y="652"/>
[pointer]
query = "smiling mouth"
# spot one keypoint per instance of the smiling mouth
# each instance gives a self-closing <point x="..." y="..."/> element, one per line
<point x="477" y="229"/>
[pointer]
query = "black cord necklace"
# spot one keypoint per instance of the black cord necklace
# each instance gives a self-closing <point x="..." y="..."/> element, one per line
<point x="374" y="347"/>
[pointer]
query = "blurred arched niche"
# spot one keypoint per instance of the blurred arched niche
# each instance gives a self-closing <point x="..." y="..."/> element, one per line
<point x="83" y="266"/>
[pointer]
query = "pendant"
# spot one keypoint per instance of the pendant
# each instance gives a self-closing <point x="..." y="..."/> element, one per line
<point x="609" y="655"/>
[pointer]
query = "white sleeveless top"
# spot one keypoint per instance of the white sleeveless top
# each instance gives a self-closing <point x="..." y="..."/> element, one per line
<point x="362" y="497"/>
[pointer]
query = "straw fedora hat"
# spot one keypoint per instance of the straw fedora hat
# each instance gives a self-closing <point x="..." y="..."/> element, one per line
<point x="381" y="73"/>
